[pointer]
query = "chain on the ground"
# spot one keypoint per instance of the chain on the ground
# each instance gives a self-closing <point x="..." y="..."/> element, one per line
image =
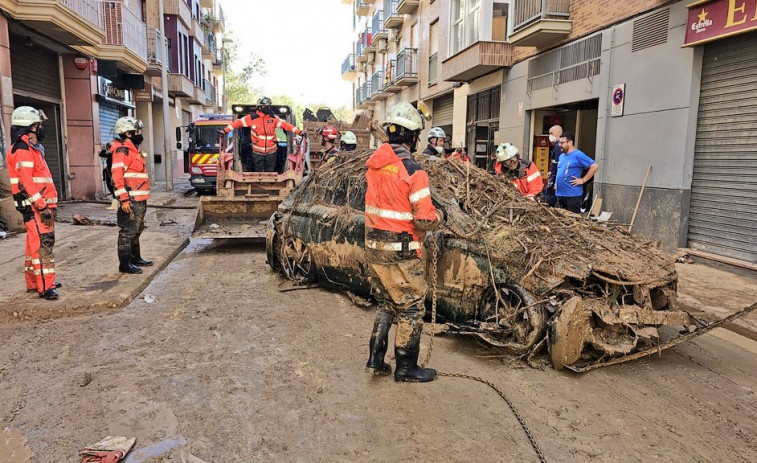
<point x="434" y="267"/>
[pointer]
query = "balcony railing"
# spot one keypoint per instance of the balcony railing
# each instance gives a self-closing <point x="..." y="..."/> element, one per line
<point x="407" y="65"/>
<point x="392" y="19"/>
<point x="361" y="7"/>
<point x="349" y="64"/>
<point x="124" y="28"/>
<point x="377" y="27"/>
<point x="366" y="91"/>
<point x="358" y="96"/>
<point x="433" y="68"/>
<point x="377" y="82"/>
<point x="91" y="10"/>
<point x="529" y="11"/>
<point x="156" y="46"/>
<point x="359" y="47"/>
<point x="210" y="93"/>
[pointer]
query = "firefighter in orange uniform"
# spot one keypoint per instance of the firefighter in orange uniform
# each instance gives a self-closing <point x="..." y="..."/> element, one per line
<point x="398" y="212"/>
<point x="35" y="197"/>
<point x="523" y="174"/>
<point x="329" y="137"/>
<point x="132" y="184"/>
<point x="263" y="125"/>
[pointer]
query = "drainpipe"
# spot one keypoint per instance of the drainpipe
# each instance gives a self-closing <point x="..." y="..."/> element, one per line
<point x="66" y="169"/>
<point x="167" y="157"/>
<point x="603" y="168"/>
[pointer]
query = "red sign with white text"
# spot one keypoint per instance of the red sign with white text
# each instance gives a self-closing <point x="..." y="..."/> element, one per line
<point x="719" y="18"/>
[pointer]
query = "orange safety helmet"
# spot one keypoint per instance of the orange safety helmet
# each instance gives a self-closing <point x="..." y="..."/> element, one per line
<point x="330" y="133"/>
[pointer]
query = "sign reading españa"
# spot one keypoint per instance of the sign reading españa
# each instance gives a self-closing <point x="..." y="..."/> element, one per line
<point x="714" y="19"/>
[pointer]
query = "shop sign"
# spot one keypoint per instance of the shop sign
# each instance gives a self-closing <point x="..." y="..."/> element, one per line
<point x="618" y="99"/>
<point x="715" y="19"/>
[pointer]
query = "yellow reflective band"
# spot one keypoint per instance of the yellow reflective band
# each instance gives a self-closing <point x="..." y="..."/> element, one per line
<point x="533" y="176"/>
<point x="120" y="192"/>
<point x="51" y="201"/>
<point x="14" y="181"/>
<point x="35" y="197"/>
<point x="387" y="214"/>
<point x="380" y="246"/>
<point x="21" y="164"/>
<point x="139" y="192"/>
<point x="135" y="175"/>
<point x="42" y="180"/>
<point x="118" y="165"/>
<point x="420" y="194"/>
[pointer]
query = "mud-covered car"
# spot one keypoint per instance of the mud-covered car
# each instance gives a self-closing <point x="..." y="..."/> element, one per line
<point x="521" y="276"/>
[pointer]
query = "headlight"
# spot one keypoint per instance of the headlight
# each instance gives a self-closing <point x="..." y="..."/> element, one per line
<point x="283" y="110"/>
<point x="195" y="170"/>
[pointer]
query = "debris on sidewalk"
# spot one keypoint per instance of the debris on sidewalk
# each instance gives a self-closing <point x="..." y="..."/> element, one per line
<point x="149" y="299"/>
<point x="87" y="379"/>
<point x="80" y="219"/>
<point x="109" y="450"/>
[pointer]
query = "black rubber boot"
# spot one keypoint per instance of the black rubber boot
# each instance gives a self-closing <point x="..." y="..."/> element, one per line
<point x="379" y="343"/>
<point x="50" y="294"/>
<point x="406" y="351"/>
<point x="136" y="255"/>
<point x="124" y="256"/>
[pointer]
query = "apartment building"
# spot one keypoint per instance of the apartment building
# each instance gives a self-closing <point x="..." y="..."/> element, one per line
<point x="667" y="86"/>
<point x="88" y="62"/>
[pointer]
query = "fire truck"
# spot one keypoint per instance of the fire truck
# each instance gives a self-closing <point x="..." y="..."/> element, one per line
<point x="203" y="150"/>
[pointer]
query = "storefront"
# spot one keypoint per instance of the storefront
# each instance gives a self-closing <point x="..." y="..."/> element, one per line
<point x="114" y="103"/>
<point x="723" y="210"/>
<point x="482" y="123"/>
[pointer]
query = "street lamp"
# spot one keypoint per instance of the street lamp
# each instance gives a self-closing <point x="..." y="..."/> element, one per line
<point x="223" y="63"/>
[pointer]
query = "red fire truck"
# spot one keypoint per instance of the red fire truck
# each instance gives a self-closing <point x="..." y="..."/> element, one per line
<point x="203" y="150"/>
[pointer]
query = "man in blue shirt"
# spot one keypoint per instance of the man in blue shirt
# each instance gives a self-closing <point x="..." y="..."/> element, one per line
<point x="570" y="167"/>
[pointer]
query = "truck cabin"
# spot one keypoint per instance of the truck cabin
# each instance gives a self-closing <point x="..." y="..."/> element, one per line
<point x="203" y="133"/>
<point x="243" y="145"/>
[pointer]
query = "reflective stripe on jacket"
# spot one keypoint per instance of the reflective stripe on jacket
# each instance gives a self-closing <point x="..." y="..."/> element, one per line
<point x="528" y="180"/>
<point x="397" y="194"/>
<point x="130" y="178"/>
<point x="262" y="130"/>
<point x="30" y="178"/>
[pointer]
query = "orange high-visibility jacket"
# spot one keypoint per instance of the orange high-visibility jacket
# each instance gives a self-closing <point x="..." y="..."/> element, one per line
<point x="528" y="180"/>
<point x="262" y="130"/>
<point x="129" y="172"/>
<point x="397" y="193"/>
<point x="31" y="181"/>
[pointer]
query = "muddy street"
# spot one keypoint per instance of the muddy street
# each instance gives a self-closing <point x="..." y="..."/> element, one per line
<point x="225" y="367"/>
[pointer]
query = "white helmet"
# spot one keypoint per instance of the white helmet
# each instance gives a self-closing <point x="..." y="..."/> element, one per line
<point x="436" y="132"/>
<point x="506" y="151"/>
<point x="128" y="124"/>
<point x="25" y="116"/>
<point x="349" y="138"/>
<point x="404" y="115"/>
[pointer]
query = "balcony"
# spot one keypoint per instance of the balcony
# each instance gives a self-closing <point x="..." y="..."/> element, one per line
<point x="358" y="97"/>
<point x="477" y="60"/>
<point x="210" y="94"/>
<point x="156" y="52"/>
<point x="198" y="95"/>
<point x="179" y="8"/>
<point x="378" y="32"/>
<point x="377" y="87"/>
<point x="197" y="32"/>
<point x="366" y="39"/>
<point x="540" y="22"/>
<point x="218" y="63"/>
<point x="209" y="50"/>
<point x="218" y="21"/>
<point x="392" y="19"/>
<point x="407" y="67"/>
<point x="206" y="3"/>
<point x="73" y="22"/>
<point x="433" y="68"/>
<point x="349" y="69"/>
<point x="125" y="37"/>
<point x="367" y="102"/>
<point x="390" y="82"/>
<point x="407" y="6"/>
<point x="361" y="7"/>
<point x="180" y="85"/>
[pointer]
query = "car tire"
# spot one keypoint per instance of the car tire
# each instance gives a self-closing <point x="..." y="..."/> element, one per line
<point x="296" y="261"/>
<point x="272" y="243"/>
<point x="520" y="336"/>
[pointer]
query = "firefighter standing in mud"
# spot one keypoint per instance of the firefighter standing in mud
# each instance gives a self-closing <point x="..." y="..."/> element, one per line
<point x="263" y="124"/>
<point x="35" y="197"/>
<point x="398" y="211"/>
<point x="132" y="185"/>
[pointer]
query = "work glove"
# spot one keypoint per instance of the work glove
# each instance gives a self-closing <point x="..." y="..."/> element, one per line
<point x="46" y="216"/>
<point x="126" y="207"/>
<point x="221" y="133"/>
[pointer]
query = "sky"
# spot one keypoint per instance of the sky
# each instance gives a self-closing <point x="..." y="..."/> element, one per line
<point x="303" y="43"/>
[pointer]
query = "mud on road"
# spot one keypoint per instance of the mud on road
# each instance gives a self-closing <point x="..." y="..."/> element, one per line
<point x="244" y="372"/>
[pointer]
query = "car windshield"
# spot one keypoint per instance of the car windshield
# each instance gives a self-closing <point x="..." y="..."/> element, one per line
<point x="206" y="137"/>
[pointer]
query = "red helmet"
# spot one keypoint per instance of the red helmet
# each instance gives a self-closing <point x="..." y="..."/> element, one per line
<point x="330" y="133"/>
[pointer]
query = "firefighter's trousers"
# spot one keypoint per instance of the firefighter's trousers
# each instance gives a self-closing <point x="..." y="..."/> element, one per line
<point x="400" y="288"/>
<point x="39" y="264"/>
<point x="130" y="228"/>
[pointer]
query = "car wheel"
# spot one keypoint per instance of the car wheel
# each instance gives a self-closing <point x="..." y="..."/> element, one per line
<point x="296" y="261"/>
<point x="272" y="243"/>
<point x="511" y="318"/>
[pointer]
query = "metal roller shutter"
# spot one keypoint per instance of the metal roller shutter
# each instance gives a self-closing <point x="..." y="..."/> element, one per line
<point x="35" y="69"/>
<point x="443" y="110"/>
<point x="723" y="216"/>
<point x="109" y="114"/>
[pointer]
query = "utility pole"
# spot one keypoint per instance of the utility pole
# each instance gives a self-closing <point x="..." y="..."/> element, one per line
<point x="224" y="42"/>
<point x="167" y="157"/>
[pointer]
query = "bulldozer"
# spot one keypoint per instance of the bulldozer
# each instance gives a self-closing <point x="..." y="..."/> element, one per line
<point x="245" y="200"/>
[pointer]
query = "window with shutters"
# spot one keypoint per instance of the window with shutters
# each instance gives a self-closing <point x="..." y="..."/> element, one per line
<point x="465" y="19"/>
<point x="433" y="52"/>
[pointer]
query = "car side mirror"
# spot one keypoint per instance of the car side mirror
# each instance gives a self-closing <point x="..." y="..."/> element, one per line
<point x="178" y="135"/>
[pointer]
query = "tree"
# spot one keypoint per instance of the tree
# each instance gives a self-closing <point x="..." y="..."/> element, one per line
<point x="239" y="88"/>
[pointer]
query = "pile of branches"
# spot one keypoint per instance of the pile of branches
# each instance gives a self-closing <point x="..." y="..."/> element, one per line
<point x="539" y="244"/>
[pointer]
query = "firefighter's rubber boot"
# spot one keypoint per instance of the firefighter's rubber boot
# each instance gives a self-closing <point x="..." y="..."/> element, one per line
<point x="124" y="256"/>
<point x="136" y="255"/>
<point x="114" y="205"/>
<point x="50" y="294"/>
<point x="379" y="343"/>
<point x="406" y="350"/>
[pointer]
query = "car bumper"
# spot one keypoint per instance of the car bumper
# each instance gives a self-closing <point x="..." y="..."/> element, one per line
<point x="202" y="182"/>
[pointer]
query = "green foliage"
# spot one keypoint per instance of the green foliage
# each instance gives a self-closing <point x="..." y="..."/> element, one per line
<point x="239" y="88"/>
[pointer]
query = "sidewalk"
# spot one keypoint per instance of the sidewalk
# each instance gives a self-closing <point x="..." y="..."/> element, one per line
<point x="86" y="262"/>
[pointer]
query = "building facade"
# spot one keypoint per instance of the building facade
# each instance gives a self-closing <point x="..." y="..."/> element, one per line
<point x="88" y="62"/>
<point x="664" y="87"/>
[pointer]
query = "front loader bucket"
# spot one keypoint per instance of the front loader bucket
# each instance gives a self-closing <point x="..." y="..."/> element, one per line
<point x="234" y="217"/>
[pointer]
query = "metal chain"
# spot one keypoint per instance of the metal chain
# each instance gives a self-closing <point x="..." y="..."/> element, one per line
<point x="434" y="275"/>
